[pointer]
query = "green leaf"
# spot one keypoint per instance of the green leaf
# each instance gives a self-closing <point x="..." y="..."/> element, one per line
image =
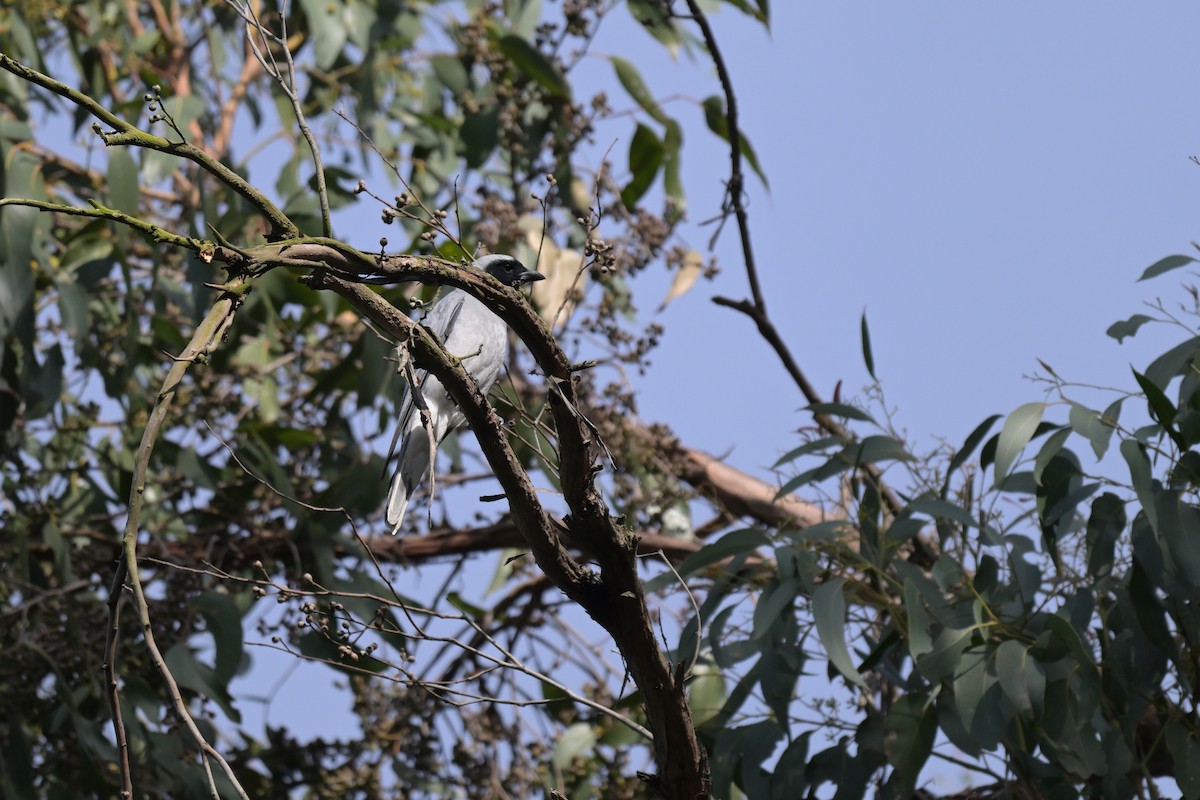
<point x="223" y="620"/>
<point x="1104" y="527"/>
<point x="1017" y="431"/>
<point x="829" y="613"/>
<point x="672" y="181"/>
<point x="636" y="88"/>
<point x="876" y="449"/>
<point x="1014" y="668"/>
<point x="706" y="692"/>
<point x="450" y="71"/>
<point x="825" y="531"/>
<point x="479" y="135"/>
<point x="1184" y="745"/>
<point x="1091" y="425"/>
<point x="536" y="66"/>
<point x="945" y="653"/>
<point x="1166" y="265"/>
<point x="1173" y="362"/>
<point x="1139" y="476"/>
<point x="758" y="11"/>
<point x="789" y="779"/>
<point x="775" y="600"/>
<point x="973" y="700"/>
<point x="45" y="384"/>
<point x="1178" y="523"/>
<point x="657" y="22"/>
<point x="1125" y="328"/>
<point x="840" y="410"/>
<point x="871" y="450"/>
<point x="718" y="123"/>
<point x="646" y="154"/>
<point x="919" y="640"/>
<point x="942" y="509"/>
<point x="909" y="733"/>
<point x="964" y="452"/>
<point x="85" y="250"/>
<point x="523" y="15"/>
<point x="317" y="646"/>
<point x="1161" y="408"/>
<point x="739" y="542"/>
<point x="122" y="181"/>
<point x="191" y="674"/>
<point x="868" y="357"/>
<point x="814" y="446"/>
<point x="1050" y="451"/>
<point x="328" y="27"/>
<point x="578" y="740"/>
<point x="465" y="606"/>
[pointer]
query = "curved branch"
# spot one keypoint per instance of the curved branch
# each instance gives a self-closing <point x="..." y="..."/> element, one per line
<point x="205" y="337"/>
<point x="614" y="598"/>
<point x="125" y="133"/>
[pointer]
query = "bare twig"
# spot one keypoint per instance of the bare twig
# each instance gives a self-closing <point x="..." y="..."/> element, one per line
<point x="756" y="308"/>
<point x="287" y="83"/>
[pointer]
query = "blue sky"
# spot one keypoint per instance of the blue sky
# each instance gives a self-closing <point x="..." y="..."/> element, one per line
<point x="986" y="181"/>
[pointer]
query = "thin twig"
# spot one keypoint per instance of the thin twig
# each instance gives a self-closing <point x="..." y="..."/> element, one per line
<point x="288" y="85"/>
<point x="125" y="133"/>
<point x="757" y="308"/>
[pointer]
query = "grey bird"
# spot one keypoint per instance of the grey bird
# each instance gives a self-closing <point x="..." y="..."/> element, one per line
<point x="468" y="330"/>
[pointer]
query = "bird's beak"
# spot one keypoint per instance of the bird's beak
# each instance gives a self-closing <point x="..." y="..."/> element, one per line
<point x="530" y="277"/>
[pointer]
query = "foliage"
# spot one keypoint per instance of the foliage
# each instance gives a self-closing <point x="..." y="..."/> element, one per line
<point x="1054" y="647"/>
<point x="187" y="390"/>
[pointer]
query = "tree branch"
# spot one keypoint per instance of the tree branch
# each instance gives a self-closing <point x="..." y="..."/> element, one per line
<point x="614" y="599"/>
<point x="757" y="309"/>
<point x="125" y="133"/>
<point x="205" y="337"/>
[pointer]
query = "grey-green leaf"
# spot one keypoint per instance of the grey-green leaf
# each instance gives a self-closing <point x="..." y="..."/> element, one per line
<point x="1125" y="328"/>
<point x="536" y="66"/>
<point x="646" y="155"/>
<point x="1166" y="265"/>
<point x="868" y="356"/>
<point x="718" y="123"/>
<point x="1017" y="431"/>
<point x="632" y="81"/>
<point x="829" y="612"/>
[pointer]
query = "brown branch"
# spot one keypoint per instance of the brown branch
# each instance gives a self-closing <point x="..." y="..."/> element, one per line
<point x="115" y="595"/>
<point x="207" y="334"/>
<point x="614" y="598"/>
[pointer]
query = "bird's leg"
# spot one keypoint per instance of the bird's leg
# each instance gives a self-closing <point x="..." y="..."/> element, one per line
<point x="459" y="359"/>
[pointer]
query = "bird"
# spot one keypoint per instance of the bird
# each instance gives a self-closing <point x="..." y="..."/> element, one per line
<point x="472" y="332"/>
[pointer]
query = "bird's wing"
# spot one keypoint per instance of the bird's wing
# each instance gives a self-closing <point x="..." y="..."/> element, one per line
<point x="480" y="338"/>
<point x="444" y="315"/>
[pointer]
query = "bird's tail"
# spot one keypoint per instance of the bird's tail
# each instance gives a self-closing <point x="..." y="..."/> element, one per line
<point x="397" y="502"/>
<point x="413" y="464"/>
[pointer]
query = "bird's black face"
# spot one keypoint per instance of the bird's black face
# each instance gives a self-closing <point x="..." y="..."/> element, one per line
<point x="508" y="270"/>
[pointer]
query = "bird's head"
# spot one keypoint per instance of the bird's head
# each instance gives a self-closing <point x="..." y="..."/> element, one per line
<point x="508" y="270"/>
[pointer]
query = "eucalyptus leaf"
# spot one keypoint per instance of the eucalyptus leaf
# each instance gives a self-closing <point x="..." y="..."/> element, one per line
<point x="535" y="65"/>
<point x="1017" y="431"/>
<point x="829" y="613"/>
